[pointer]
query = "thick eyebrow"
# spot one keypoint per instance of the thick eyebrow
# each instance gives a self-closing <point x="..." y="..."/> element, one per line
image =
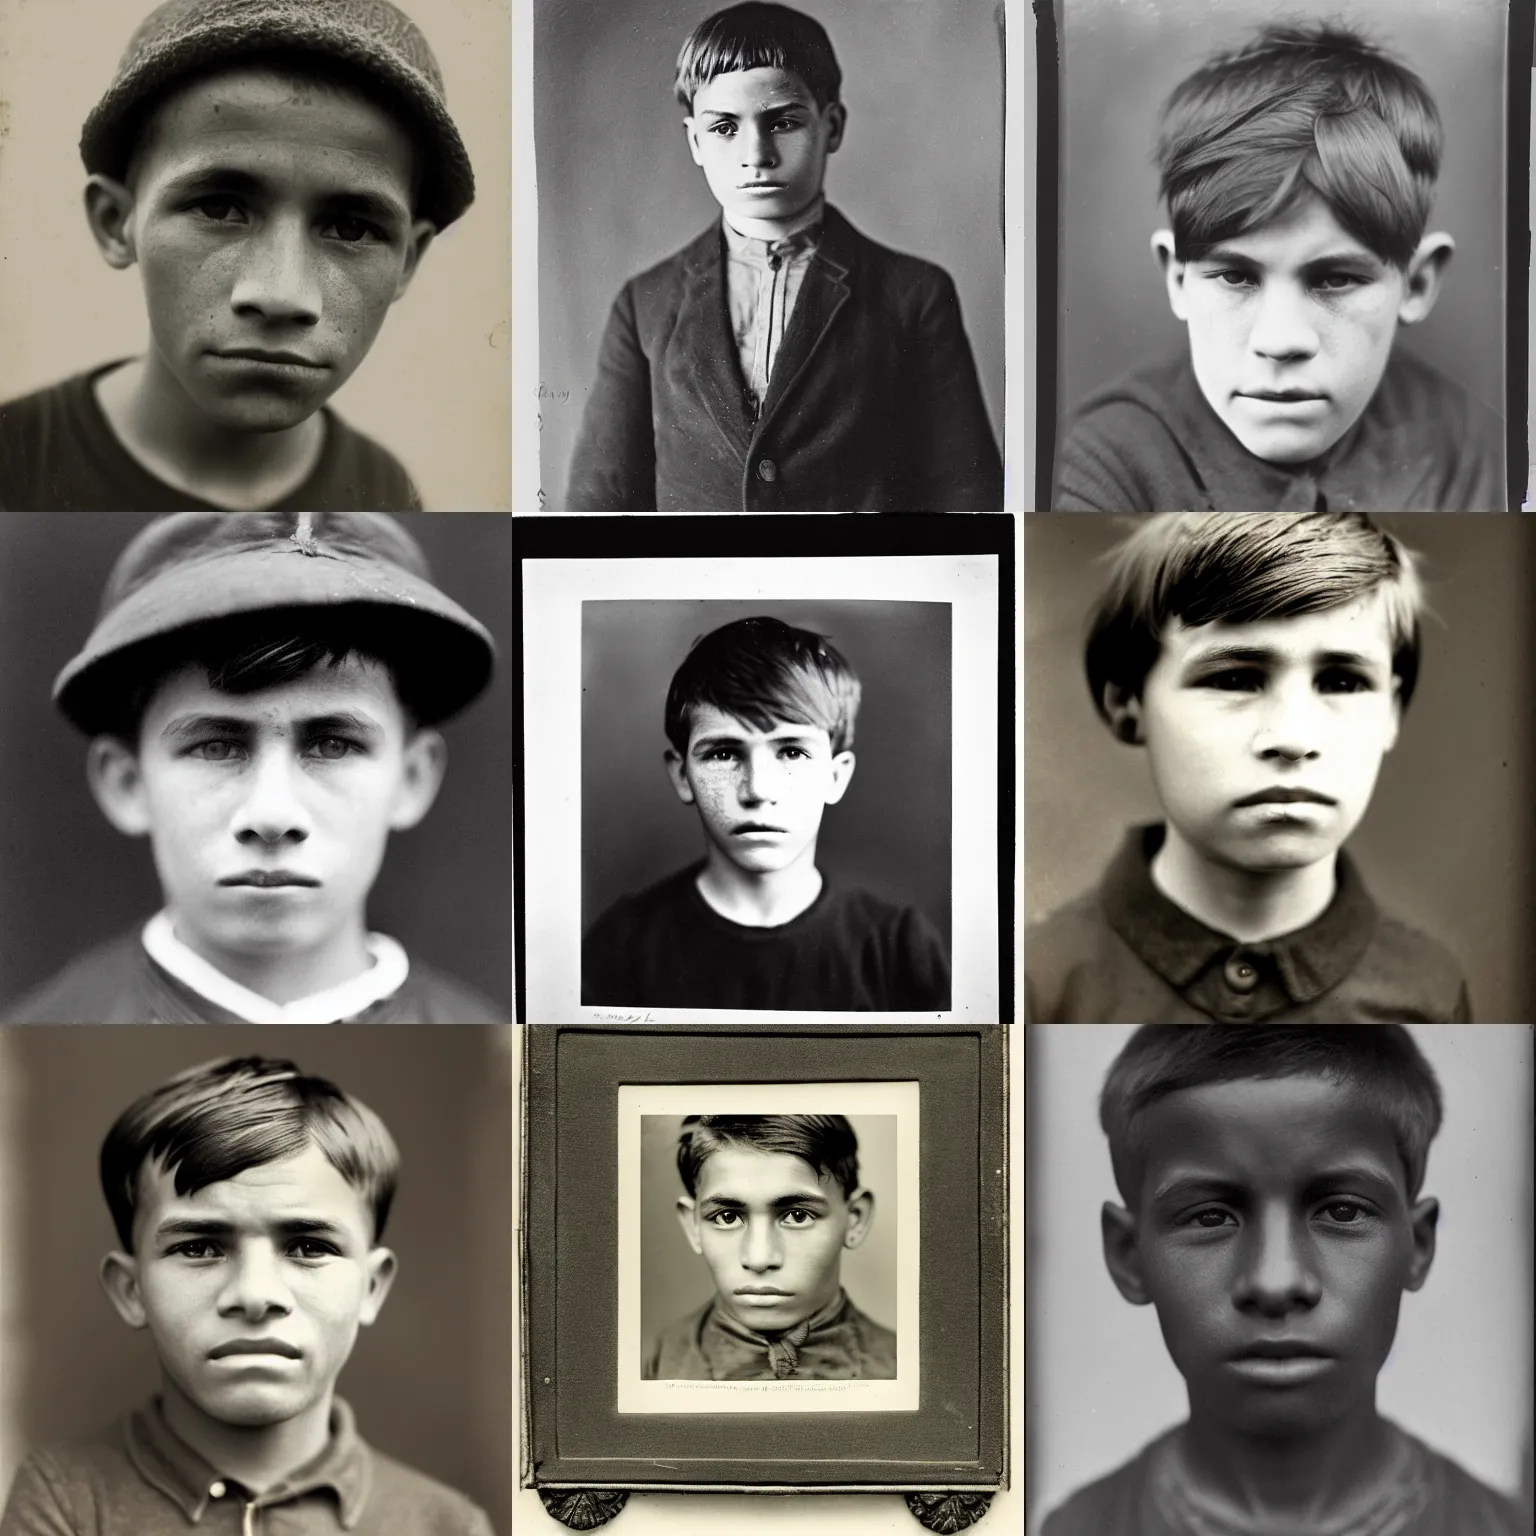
<point x="779" y="1203"/>
<point x="775" y="110"/>
<point x="727" y="739"/>
<point x="340" y="721"/>
<point x="1228" y="256"/>
<point x="185" y="727"/>
<point x="207" y="1226"/>
<point x="342" y="200"/>
<point x="1266" y="656"/>
<point x="1190" y="1185"/>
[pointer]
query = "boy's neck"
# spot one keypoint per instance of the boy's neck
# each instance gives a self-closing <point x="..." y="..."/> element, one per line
<point x="164" y="431"/>
<point x="1250" y="905"/>
<point x="779" y="229"/>
<point x="764" y="900"/>
<point x="1301" y="1479"/>
<point x="257" y="1457"/>
<point x="284" y="979"/>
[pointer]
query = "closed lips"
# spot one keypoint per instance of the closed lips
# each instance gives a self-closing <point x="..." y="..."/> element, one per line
<point x="254" y="1347"/>
<point x="266" y="878"/>
<point x="1282" y="1349"/>
<point x="255" y="355"/>
<point x="1286" y="796"/>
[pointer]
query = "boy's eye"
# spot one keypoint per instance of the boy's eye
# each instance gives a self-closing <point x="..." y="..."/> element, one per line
<point x="1233" y="277"/>
<point x="795" y="753"/>
<point x="724" y="1219"/>
<point x="220" y="210"/>
<point x="1338" y="282"/>
<point x="312" y="1248"/>
<point x="807" y="1218"/>
<point x="1210" y="1219"/>
<point x="353" y="231"/>
<point x="1342" y="680"/>
<point x="1346" y="1212"/>
<point x="334" y="748"/>
<point x="721" y="129"/>
<point x="195" y="1248"/>
<point x="1235" y="680"/>
<point x="215" y="751"/>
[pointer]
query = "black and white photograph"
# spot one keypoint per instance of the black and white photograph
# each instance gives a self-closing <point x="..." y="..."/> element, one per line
<point x="770" y="255"/>
<point x="1284" y="264"/>
<point x="255" y="1280"/>
<point x="256" y="255"/>
<point x="255" y="769"/>
<point x="824" y="1310"/>
<point x="772" y="1249"/>
<point x="1280" y="1279"/>
<point x="788" y="790"/>
<point x="1278" y="767"/>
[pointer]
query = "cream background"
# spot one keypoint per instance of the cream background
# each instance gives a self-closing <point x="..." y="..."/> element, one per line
<point x="435" y="388"/>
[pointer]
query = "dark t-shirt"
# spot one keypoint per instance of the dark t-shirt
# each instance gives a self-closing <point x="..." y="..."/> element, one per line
<point x="59" y="454"/>
<point x="848" y="951"/>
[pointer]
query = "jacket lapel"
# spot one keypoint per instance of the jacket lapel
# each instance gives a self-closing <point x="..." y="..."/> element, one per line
<point x="704" y="338"/>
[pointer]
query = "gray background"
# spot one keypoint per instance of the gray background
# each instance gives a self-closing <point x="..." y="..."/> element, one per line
<point x="920" y="168"/>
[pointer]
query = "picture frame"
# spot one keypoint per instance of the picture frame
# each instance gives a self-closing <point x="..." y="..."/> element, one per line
<point x="585" y="1457"/>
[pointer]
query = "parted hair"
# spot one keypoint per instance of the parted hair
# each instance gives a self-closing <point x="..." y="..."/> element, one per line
<point x="826" y="1142"/>
<point x="212" y="1122"/>
<point x="1301" y="108"/>
<point x="1201" y="567"/>
<point x="1382" y="1062"/>
<point x="764" y="672"/>
<point x="758" y="36"/>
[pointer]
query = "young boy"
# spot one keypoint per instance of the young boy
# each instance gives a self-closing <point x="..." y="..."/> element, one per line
<point x="781" y="361"/>
<point x="275" y="169"/>
<point x="250" y="1201"/>
<point x="261" y="693"/>
<point x="760" y="716"/>
<point x="1298" y="173"/>
<point x="772" y="1201"/>
<point x="1264" y="661"/>
<point x="1273" y="1217"/>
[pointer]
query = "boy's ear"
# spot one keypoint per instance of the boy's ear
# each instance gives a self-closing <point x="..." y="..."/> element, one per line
<point x="1172" y="269"/>
<point x="109" y="212"/>
<point x="425" y="762"/>
<point x="1424" y="1218"/>
<point x="691" y="133"/>
<point x="1396" y="723"/>
<point x="843" y="764"/>
<point x="112" y="770"/>
<point x="1426" y="271"/>
<point x="835" y="116"/>
<point x="421" y="235"/>
<point x="861" y="1217"/>
<point x="119" y="1275"/>
<point x="1122" y="1257"/>
<point x="678" y="775"/>
<point x="687" y="1219"/>
<point x="382" y="1267"/>
<point x="1123" y="710"/>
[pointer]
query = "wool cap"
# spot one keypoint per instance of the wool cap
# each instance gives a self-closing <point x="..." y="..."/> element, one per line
<point x="183" y="38"/>
<point x="196" y="568"/>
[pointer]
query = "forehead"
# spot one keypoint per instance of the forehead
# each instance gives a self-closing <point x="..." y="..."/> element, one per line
<point x="743" y="92"/>
<point x="708" y="722"/>
<point x="750" y="1174"/>
<point x="1265" y="1134"/>
<point x="287" y="126"/>
<point x="1360" y="627"/>
<point x="1305" y="232"/>
<point x="355" y="685"/>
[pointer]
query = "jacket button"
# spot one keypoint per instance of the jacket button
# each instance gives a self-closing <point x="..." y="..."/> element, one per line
<point x="1241" y="974"/>
<point x="767" y="470"/>
<point x="216" y="1491"/>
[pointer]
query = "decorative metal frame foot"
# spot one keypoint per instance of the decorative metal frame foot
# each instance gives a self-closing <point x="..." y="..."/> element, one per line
<point x="584" y="1509"/>
<point x="948" y="1512"/>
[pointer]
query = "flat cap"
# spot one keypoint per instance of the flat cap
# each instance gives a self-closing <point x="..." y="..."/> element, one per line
<point x="194" y="568"/>
<point x="182" y="38"/>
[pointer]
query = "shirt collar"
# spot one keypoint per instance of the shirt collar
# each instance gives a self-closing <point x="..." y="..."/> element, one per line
<point x="382" y="979"/>
<point x="783" y="1349"/>
<point x="1212" y="969"/>
<point x="801" y="236"/>
<point x="168" y="1463"/>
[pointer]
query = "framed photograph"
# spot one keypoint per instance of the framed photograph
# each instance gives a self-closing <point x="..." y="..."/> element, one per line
<point x="765" y="1262"/>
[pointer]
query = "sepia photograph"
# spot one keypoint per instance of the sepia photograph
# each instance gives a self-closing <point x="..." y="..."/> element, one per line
<point x="1284" y="257"/>
<point x="1277" y="768"/>
<point x="770" y="255"/>
<point x="1326" y="1233"/>
<point x="255" y="769"/>
<point x="258" y="1280"/>
<point x="256" y="255"/>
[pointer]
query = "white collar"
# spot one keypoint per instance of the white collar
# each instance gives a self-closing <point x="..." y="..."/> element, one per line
<point x="382" y="979"/>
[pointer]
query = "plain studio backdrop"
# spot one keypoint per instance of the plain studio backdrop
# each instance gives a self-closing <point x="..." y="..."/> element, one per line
<point x="1449" y="841"/>
<point x="920" y="168"/>
<point x="430" y="1380"/>
<point x="890" y="833"/>
<point x="675" y="1281"/>
<point x="1101" y="1384"/>
<point x="434" y="389"/>
<point x="1121" y="58"/>
<point x="69" y="880"/>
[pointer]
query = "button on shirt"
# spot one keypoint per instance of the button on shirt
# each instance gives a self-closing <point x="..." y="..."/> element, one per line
<point x="763" y="282"/>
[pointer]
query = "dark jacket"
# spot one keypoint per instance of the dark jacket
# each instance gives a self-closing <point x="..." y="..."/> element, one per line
<point x="874" y="403"/>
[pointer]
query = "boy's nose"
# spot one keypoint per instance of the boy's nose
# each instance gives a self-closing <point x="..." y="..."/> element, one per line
<point x="760" y="1247"/>
<point x="1283" y="330"/>
<point x="756" y="149"/>
<point x="278" y="279"/>
<point x="272" y="810"/>
<point x="255" y="1289"/>
<point x="759" y="781"/>
<point x="1291" y="728"/>
<point x="1277" y="1275"/>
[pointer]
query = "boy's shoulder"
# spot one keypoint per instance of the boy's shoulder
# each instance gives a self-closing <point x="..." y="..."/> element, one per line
<point x="1460" y="1504"/>
<point x="59" y="454"/>
<point x="430" y="996"/>
<point x="106" y="984"/>
<point x="420" y="1504"/>
<point x="1117" y="1504"/>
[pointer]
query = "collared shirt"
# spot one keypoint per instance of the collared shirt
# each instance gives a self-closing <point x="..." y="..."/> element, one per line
<point x="839" y="1343"/>
<point x="140" y="1479"/>
<point x="346" y="1000"/>
<point x="763" y="279"/>
<point x="1150" y="442"/>
<point x="1126" y="954"/>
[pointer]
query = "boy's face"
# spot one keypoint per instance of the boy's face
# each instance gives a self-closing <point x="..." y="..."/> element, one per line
<point x="760" y="794"/>
<point x="763" y="142"/>
<point x="271" y="221"/>
<point x="269" y="812"/>
<point x="772" y="1234"/>
<point x="1264" y="739"/>
<point x="253" y="1288"/>
<point x="1290" y="328"/>
<point x="1273" y="1232"/>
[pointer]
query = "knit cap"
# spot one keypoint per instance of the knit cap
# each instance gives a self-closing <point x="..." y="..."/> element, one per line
<point x="183" y="38"/>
